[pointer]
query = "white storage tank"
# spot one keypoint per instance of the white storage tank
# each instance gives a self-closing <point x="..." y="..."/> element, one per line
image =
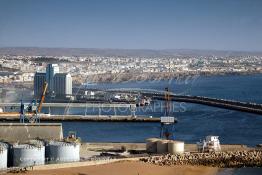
<point x="3" y="155"/>
<point x="162" y="146"/>
<point x="28" y="155"/>
<point x="151" y="145"/>
<point x="176" y="147"/>
<point x="59" y="152"/>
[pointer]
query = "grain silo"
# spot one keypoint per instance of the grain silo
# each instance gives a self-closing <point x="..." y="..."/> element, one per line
<point x="176" y="147"/>
<point x="59" y="152"/>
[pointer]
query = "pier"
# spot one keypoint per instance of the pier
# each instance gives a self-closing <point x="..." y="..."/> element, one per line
<point x="84" y="118"/>
<point x="76" y="105"/>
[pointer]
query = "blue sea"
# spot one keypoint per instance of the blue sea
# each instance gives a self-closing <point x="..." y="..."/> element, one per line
<point x="194" y="121"/>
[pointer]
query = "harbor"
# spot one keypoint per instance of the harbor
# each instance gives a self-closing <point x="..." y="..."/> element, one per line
<point x="148" y="134"/>
<point x="130" y="87"/>
<point x="54" y="150"/>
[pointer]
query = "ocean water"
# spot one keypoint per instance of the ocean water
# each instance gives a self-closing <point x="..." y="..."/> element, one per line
<point x="194" y="121"/>
<point x="240" y="171"/>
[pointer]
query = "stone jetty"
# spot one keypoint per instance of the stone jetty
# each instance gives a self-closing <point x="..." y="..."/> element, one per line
<point x="230" y="159"/>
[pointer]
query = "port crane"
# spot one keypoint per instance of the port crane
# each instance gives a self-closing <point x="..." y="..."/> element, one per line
<point x="42" y="97"/>
<point x="32" y="110"/>
<point x="29" y="113"/>
<point x="167" y="121"/>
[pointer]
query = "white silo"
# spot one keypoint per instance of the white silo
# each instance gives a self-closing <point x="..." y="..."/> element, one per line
<point x="59" y="152"/>
<point x="28" y="155"/>
<point x="176" y="147"/>
<point x="3" y="155"/>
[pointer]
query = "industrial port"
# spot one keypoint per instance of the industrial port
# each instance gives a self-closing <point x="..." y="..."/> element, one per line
<point x="33" y="145"/>
<point x="31" y="140"/>
<point x="130" y="87"/>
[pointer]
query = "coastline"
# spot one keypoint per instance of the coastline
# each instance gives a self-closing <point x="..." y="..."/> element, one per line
<point x="129" y="77"/>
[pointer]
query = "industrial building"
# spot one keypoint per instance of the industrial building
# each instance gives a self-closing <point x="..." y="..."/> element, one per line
<point x="63" y="85"/>
<point x="51" y="70"/>
<point x="59" y="84"/>
<point x="39" y="80"/>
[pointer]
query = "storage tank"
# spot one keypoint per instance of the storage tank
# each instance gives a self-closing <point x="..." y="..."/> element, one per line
<point x="28" y="155"/>
<point x="59" y="152"/>
<point x="176" y="147"/>
<point x="3" y="155"/>
<point x="162" y="146"/>
<point x="151" y="145"/>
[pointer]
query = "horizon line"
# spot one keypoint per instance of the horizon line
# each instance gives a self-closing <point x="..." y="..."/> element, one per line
<point x="152" y="49"/>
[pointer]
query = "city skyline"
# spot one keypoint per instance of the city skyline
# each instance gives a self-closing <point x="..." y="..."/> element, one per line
<point x="204" y="25"/>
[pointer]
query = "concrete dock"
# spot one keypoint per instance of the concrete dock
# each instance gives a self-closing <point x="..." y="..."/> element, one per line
<point x="77" y="105"/>
<point x="87" y="118"/>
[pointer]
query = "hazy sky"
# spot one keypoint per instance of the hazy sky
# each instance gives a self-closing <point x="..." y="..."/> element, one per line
<point x="139" y="24"/>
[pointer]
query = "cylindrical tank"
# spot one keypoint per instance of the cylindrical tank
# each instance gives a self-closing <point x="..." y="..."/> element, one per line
<point x="176" y="147"/>
<point x="28" y="155"/>
<point x="162" y="146"/>
<point x="3" y="155"/>
<point x="59" y="152"/>
<point x="151" y="145"/>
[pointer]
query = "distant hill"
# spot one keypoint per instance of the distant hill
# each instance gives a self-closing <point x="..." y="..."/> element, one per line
<point x="29" y="51"/>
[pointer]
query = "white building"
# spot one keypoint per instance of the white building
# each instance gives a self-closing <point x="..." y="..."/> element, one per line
<point x="63" y="84"/>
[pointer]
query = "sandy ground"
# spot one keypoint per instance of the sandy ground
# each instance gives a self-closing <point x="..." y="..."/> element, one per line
<point x="129" y="168"/>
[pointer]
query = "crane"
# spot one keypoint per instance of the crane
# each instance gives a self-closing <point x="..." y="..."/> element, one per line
<point x="42" y="97"/>
<point x="32" y="110"/>
<point x="167" y="121"/>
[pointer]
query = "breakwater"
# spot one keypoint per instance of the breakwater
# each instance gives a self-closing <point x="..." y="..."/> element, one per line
<point x="221" y="103"/>
<point x="229" y="159"/>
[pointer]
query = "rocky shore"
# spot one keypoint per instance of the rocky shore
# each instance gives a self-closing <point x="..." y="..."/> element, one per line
<point x="230" y="159"/>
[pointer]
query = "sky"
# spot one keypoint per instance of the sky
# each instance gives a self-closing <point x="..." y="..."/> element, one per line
<point x="132" y="24"/>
